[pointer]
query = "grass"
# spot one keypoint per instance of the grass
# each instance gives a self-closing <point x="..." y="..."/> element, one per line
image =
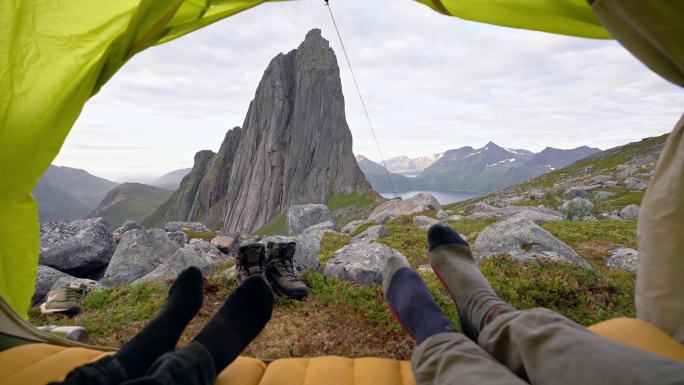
<point x="276" y="226"/>
<point x="349" y="207"/>
<point x="192" y="234"/>
<point x="330" y="244"/>
<point x="339" y="201"/>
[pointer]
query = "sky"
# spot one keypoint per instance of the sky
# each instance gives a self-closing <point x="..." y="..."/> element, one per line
<point x="430" y="82"/>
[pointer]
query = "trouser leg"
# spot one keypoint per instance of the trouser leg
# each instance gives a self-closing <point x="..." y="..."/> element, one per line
<point x="452" y="358"/>
<point x="660" y="230"/>
<point x="548" y="348"/>
<point x="192" y="365"/>
<point x="105" y="371"/>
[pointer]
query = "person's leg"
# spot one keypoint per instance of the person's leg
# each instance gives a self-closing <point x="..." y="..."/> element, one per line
<point x="158" y="337"/>
<point x="660" y="287"/>
<point x="241" y="318"/>
<point x="443" y="356"/>
<point x="539" y="345"/>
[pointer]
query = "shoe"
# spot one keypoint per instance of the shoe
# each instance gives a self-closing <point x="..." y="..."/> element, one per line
<point x="250" y="261"/>
<point x="280" y="270"/>
<point x="74" y="333"/>
<point x="65" y="300"/>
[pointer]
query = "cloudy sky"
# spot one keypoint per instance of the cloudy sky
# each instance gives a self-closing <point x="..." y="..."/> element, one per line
<point x="431" y="83"/>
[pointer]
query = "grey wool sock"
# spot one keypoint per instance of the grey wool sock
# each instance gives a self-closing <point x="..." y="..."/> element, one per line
<point x="455" y="266"/>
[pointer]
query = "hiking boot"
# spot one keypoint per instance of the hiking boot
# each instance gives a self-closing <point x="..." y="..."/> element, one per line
<point x="250" y="261"/>
<point x="280" y="270"/>
<point x="65" y="300"/>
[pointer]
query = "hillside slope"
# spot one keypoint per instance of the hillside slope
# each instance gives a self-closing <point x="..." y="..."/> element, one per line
<point x="171" y="180"/>
<point x="65" y="193"/>
<point x="130" y="201"/>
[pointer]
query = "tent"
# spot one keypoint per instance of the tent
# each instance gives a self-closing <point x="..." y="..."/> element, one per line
<point x="56" y="54"/>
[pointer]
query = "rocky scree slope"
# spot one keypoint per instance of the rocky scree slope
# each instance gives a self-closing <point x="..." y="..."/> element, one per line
<point x="294" y="147"/>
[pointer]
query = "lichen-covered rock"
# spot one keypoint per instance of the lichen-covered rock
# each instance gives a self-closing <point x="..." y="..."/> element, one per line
<point x="127" y="225"/>
<point x="301" y="217"/>
<point x="78" y="248"/>
<point x="323" y="226"/>
<point x="370" y="234"/>
<point x="351" y="227"/>
<point x="624" y="259"/>
<point x="579" y="209"/>
<point x="179" y="237"/>
<point x="576" y="192"/>
<point x="630" y="212"/>
<point x="360" y="262"/>
<point x="479" y="207"/>
<point x="415" y="204"/>
<point x="535" y="214"/>
<point x="522" y="239"/>
<point x="138" y="253"/>
<point x="424" y="222"/>
<point x="192" y="226"/>
<point x="46" y="277"/>
<point x="604" y="195"/>
<point x="442" y="215"/>
<point x="635" y="184"/>
<point x="198" y="253"/>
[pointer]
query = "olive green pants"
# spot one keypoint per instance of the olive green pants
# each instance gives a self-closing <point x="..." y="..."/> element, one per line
<point x="537" y="347"/>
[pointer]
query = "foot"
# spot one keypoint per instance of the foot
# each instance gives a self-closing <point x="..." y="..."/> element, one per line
<point x="454" y="265"/>
<point x="411" y="302"/>
<point x="241" y="318"/>
<point x="162" y="333"/>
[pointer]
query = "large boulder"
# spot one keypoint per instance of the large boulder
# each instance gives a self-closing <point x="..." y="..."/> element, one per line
<point x="352" y="226"/>
<point x="46" y="277"/>
<point x="396" y="207"/>
<point x="630" y="212"/>
<point x="635" y="184"/>
<point x="479" y="207"/>
<point x="535" y="214"/>
<point x="192" y="226"/>
<point x="523" y="240"/>
<point x="78" y="248"/>
<point x="579" y="209"/>
<point x="624" y="259"/>
<point x="139" y="252"/>
<point x="360" y="262"/>
<point x="198" y="253"/>
<point x="127" y="225"/>
<point x="370" y="234"/>
<point x="301" y="217"/>
<point x="604" y="195"/>
<point x="224" y="242"/>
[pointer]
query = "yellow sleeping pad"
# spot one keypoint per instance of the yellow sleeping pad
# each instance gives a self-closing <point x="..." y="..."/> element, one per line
<point x="37" y="364"/>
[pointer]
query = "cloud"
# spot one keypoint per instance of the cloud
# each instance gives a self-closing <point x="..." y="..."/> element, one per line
<point x="431" y="83"/>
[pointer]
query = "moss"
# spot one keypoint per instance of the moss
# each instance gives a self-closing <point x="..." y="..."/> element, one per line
<point x="276" y="226"/>
<point x="206" y="235"/>
<point x="330" y="244"/>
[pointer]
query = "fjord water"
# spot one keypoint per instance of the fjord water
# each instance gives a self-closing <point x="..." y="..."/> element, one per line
<point x="443" y="197"/>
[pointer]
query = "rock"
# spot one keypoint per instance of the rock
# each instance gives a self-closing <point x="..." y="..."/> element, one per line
<point x="513" y="200"/>
<point x="479" y="207"/>
<point x="523" y="240"/>
<point x="323" y="226"/>
<point x="351" y="227"/>
<point x="139" y="252"/>
<point x="308" y="245"/>
<point x="626" y="171"/>
<point x="535" y="214"/>
<point x="78" y="248"/>
<point x="442" y="215"/>
<point x="192" y="226"/>
<point x="579" y="209"/>
<point x="635" y="184"/>
<point x="536" y="194"/>
<point x="603" y="195"/>
<point x="223" y="242"/>
<point x="360" y="262"/>
<point x="198" y="253"/>
<point x="370" y="234"/>
<point x="624" y="259"/>
<point x="300" y="217"/>
<point x="415" y="204"/>
<point x="424" y="222"/>
<point x="67" y="279"/>
<point x="47" y="276"/>
<point x="576" y="192"/>
<point x="381" y="220"/>
<point x="601" y="178"/>
<point x="454" y="218"/>
<point x="630" y="213"/>
<point x="179" y="237"/>
<point x="127" y="225"/>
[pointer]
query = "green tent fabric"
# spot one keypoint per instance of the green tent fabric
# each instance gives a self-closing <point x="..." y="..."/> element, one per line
<point x="566" y="17"/>
<point x="55" y="54"/>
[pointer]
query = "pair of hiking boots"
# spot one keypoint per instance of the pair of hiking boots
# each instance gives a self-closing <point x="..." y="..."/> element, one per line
<point x="275" y="262"/>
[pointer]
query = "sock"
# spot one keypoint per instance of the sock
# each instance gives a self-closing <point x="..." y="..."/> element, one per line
<point x="162" y="333"/>
<point x="455" y="266"/>
<point x="411" y="301"/>
<point x="241" y="318"/>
